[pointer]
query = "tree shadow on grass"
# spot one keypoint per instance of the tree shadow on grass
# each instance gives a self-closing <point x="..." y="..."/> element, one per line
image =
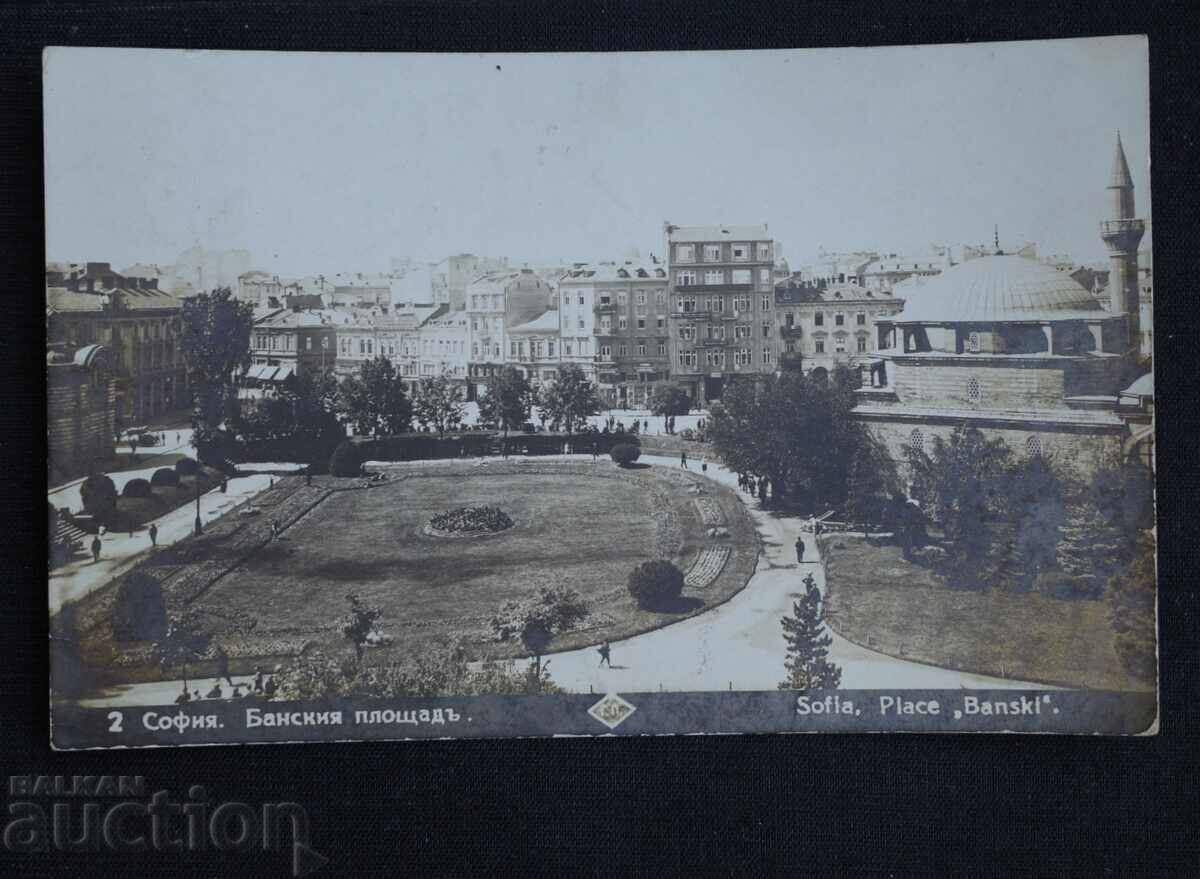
<point x="682" y="604"/>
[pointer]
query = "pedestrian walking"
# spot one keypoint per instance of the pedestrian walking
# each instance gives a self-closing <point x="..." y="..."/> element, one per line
<point x="223" y="666"/>
<point x="799" y="550"/>
<point x="258" y="679"/>
<point x="153" y="534"/>
<point x="216" y="692"/>
<point x="224" y="485"/>
<point x="704" y="465"/>
<point x="683" y="460"/>
<point x="605" y="652"/>
<point x="183" y="697"/>
<point x="269" y="687"/>
<point x="595" y="450"/>
<point x="645" y="426"/>
<point x="177" y="438"/>
<point x="95" y="549"/>
<point x="308" y="476"/>
<point x="274" y="529"/>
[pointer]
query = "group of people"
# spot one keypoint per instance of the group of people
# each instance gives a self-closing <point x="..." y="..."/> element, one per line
<point x="683" y="462"/>
<point x="755" y="486"/>
<point x="263" y="687"/>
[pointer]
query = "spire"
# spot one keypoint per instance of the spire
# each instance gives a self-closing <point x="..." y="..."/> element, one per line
<point x="1120" y="177"/>
<point x="996" y="236"/>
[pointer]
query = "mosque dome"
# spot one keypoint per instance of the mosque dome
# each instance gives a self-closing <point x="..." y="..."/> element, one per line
<point x="998" y="289"/>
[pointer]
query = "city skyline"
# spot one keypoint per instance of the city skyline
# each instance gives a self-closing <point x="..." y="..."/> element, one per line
<point x="292" y="158"/>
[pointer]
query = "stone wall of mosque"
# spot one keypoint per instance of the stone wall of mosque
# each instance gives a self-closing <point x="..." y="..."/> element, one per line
<point x="80" y="412"/>
<point x="986" y="383"/>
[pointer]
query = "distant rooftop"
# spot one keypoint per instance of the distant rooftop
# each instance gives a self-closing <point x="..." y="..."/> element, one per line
<point x="686" y="234"/>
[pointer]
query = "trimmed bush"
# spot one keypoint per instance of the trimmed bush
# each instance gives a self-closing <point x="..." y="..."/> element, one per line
<point x="139" y="612"/>
<point x="346" y="460"/>
<point x="164" y="476"/>
<point x="470" y="519"/>
<point x="625" y="453"/>
<point x="186" y="467"/>
<point x="137" y="488"/>
<point x="99" y="495"/>
<point x="655" y="585"/>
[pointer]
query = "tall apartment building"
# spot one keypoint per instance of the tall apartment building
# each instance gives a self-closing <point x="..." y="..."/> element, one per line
<point x="630" y="325"/>
<point x="721" y="306"/>
<point x="495" y="302"/>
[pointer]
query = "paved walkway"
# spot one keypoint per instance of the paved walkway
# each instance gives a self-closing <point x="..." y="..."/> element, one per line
<point x="146" y="461"/>
<point x="737" y="645"/>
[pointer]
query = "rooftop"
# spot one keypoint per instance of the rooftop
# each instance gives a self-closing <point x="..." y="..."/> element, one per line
<point x="685" y="234"/>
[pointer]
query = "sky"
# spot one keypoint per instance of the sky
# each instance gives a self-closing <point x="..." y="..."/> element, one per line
<point x="322" y="162"/>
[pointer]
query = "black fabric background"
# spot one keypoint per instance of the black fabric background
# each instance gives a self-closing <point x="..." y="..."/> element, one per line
<point x="778" y="805"/>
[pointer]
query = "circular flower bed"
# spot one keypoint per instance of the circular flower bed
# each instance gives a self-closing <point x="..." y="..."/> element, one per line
<point x="470" y="520"/>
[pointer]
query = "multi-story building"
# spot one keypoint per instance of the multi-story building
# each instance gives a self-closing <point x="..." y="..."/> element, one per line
<point x="81" y="406"/>
<point x="884" y="273"/>
<point x="291" y="342"/>
<point x="452" y="276"/>
<point x="828" y="269"/>
<point x="90" y="304"/>
<point x="444" y="346"/>
<point x="822" y="327"/>
<point x="494" y="302"/>
<point x="576" y="323"/>
<point x="534" y="348"/>
<point x="631" y="327"/>
<point x="722" y="306"/>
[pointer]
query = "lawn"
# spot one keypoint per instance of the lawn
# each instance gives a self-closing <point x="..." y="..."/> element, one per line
<point x="583" y="526"/>
<point x="881" y="601"/>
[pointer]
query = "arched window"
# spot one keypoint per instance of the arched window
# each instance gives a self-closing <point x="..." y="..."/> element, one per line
<point x="1033" y="446"/>
<point x="973" y="393"/>
<point x="916" y="441"/>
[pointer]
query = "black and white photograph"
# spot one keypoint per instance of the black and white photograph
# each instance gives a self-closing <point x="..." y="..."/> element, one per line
<point x="402" y="396"/>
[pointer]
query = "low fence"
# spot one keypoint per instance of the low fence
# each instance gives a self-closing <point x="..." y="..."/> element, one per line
<point x="425" y="447"/>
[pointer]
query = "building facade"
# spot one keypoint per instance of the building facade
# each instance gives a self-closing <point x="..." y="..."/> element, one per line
<point x="81" y="408"/>
<point x="445" y="338"/>
<point x="287" y="343"/>
<point x="1122" y="234"/>
<point x="721" y="306"/>
<point x="535" y="348"/>
<point x="821" y="328"/>
<point x="90" y="304"/>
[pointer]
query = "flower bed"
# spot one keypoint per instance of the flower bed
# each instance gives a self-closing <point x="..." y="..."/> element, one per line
<point x="471" y="520"/>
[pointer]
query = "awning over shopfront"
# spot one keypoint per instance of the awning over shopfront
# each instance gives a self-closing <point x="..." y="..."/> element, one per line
<point x="284" y="373"/>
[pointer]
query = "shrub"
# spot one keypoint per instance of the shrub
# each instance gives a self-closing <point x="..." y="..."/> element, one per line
<point x="139" y="612"/>
<point x="186" y="467"/>
<point x="99" y="495"/>
<point x="164" y="476"/>
<point x="137" y="488"/>
<point x="558" y="608"/>
<point x="625" y="453"/>
<point x="346" y="460"/>
<point x="469" y="519"/>
<point x="656" y="584"/>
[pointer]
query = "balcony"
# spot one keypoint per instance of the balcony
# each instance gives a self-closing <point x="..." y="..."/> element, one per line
<point x="794" y="332"/>
<point x="1117" y="227"/>
<point x="713" y="343"/>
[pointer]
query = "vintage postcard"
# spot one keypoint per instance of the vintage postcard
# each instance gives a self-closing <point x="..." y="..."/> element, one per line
<point x="414" y="396"/>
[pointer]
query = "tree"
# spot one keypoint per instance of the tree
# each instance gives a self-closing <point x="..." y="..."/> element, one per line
<point x="1132" y="597"/>
<point x="571" y="398"/>
<point x="656" y="585"/>
<point x="808" y="665"/>
<point x="1035" y="509"/>
<point x="184" y="641"/>
<point x="559" y="609"/>
<point x="1091" y="549"/>
<point x="346" y="460"/>
<point x="374" y="401"/>
<point x="625" y="454"/>
<point x="99" y="496"/>
<point x="438" y="403"/>
<point x="508" y="400"/>
<point x="670" y="399"/>
<point x="358" y="625"/>
<point x="139" y="612"/>
<point x="216" y="348"/>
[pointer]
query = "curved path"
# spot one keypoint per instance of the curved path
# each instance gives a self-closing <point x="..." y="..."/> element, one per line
<point x="737" y="645"/>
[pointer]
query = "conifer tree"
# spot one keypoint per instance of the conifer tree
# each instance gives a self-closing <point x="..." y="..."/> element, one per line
<point x="807" y="663"/>
<point x="1090" y="548"/>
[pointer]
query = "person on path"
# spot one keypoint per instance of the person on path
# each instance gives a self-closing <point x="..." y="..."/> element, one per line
<point x="224" y="485"/>
<point x="258" y="679"/>
<point x="605" y="652"/>
<point x="595" y="451"/>
<point x="153" y="532"/>
<point x="645" y="426"/>
<point x="185" y="696"/>
<point x="683" y="460"/>
<point x="216" y="692"/>
<point x="308" y="476"/>
<point x="274" y="529"/>
<point x="704" y="465"/>
<point x="223" y="666"/>
<point x="269" y="687"/>
<point x="176" y="437"/>
<point x="95" y="549"/>
<point x="799" y="550"/>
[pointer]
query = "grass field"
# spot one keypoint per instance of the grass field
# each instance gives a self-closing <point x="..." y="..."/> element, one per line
<point x="881" y="601"/>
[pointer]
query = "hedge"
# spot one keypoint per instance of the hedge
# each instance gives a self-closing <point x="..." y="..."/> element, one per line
<point x="164" y="476"/>
<point x="99" y="495"/>
<point x="655" y="585"/>
<point x="347" y="460"/>
<point x="137" y="488"/>
<point x="186" y="467"/>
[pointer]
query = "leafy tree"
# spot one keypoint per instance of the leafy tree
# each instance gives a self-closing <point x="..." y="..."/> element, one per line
<point x="508" y="400"/>
<point x="571" y="398"/>
<point x="346" y="460"/>
<point x="559" y="609"/>
<point x="216" y="348"/>
<point x="358" y="625"/>
<point x="625" y="453"/>
<point x="1132" y="597"/>
<point x="438" y="403"/>
<point x="808" y="664"/>
<point x="374" y="401"/>
<point x="139" y="612"/>
<point x="184" y="641"/>
<point x="670" y="399"/>
<point x="99" y="496"/>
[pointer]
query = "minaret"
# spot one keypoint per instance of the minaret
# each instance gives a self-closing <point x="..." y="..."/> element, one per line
<point x="1121" y="235"/>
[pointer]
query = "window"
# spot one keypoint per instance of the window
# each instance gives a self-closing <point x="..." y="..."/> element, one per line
<point x="712" y="253"/>
<point x="715" y="276"/>
<point x="660" y="321"/>
<point x="741" y="357"/>
<point x="512" y="349"/>
<point x="839" y="345"/>
<point x="766" y="328"/>
<point x="766" y="355"/>
<point x="308" y="343"/>
<point x="687" y="303"/>
<point x="581" y="323"/>
<point x="622" y="298"/>
<point x="741" y="276"/>
<point x="639" y="297"/>
<point x="566" y="299"/>
<point x="687" y="358"/>
<point x="766" y="302"/>
<point x="550" y="347"/>
<point x="622" y="323"/>
<point x="684" y="253"/>
<point x="839" y="320"/>
<point x="862" y="344"/>
<point x="916" y="442"/>
<point x="568" y="349"/>
<point x="641" y="349"/>
<point x="717" y="305"/>
<point x="1033" y="446"/>
<point x="973" y="342"/>
<point x="641" y="323"/>
<point x="741" y="252"/>
<point x="581" y="299"/>
<point x="860" y="319"/>
<point x="973" y="391"/>
<point x="660" y="299"/>
<point x="819" y="319"/>
<point x="685" y="279"/>
<point x="714" y="358"/>
<point x="606" y="324"/>
<point x="662" y="349"/>
<point x="764" y="251"/>
<point x="716" y="333"/>
<point x="623" y="350"/>
<point x="741" y="304"/>
<point x="741" y="331"/>
<point x="819" y="346"/>
<point x="475" y="349"/>
<point x="605" y="299"/>
<point x="764" y="276"/>
<point x="688" y="334"/>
